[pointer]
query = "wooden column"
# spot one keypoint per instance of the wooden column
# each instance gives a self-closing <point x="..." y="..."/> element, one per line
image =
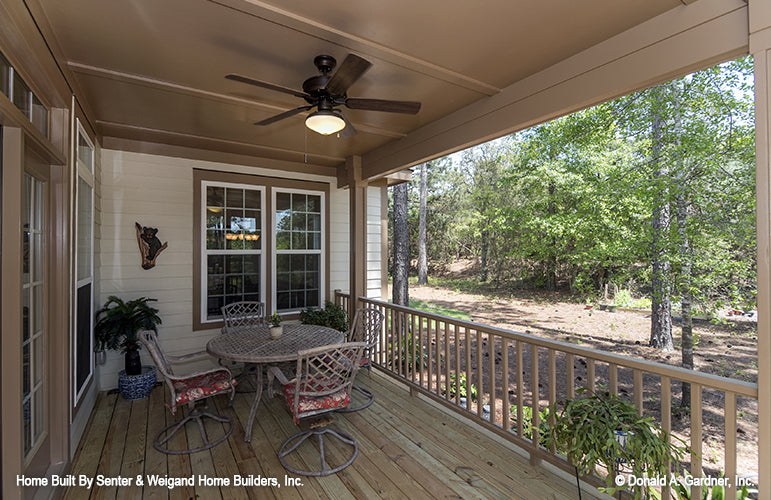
<point x="760" y="48"/>
<point x="10" y="388"/>
<point x="358" y="231"/>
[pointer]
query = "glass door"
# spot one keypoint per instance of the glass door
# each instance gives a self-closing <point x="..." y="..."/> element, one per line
<point x="83" y="367"/>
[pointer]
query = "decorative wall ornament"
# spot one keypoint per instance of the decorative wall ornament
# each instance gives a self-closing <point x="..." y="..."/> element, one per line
<point x="149" y="245"/>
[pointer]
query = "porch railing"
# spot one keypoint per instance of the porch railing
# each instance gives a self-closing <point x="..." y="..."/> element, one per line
<point x="446" y="358"/>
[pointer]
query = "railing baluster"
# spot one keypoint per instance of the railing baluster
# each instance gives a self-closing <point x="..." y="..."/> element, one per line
<point x="421" y="342"/>
<point x="456" y="332"/>
<point x="480" y="371"/>
<point x="447" y="360"/>
<point x="590" y="375"/>
<point x="613" y="378"/>
<point x="666" y="422"/>
<point x="730" y="443"/>
<point x="491" y="361"/>
<point x="429" y="342"/>
<point x="505" y="384"/>
<point x="696" y="437"/>
<point x="536" y="399"/>
<point x="411" y="346"/>
<point x="570" y="375"/>
<point x="638" y="391"/>
<point x="552" y="389"/>
<point x="520" y="383"/>
<point x="467" y="370"/>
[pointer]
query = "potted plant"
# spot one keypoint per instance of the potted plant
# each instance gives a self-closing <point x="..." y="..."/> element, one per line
<point x="117" y="327"/>
<point x="601" y="429"/>
<point x="331" y="315"/>
<point x="275" y="325"/>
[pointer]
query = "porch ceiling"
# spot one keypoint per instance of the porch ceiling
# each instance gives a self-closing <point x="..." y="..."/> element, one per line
<point x="154" y="71"/>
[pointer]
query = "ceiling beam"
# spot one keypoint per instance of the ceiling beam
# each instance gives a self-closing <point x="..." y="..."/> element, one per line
<point x="677" y="42"/>
<point x="281" y="17"/>
<point x="124" y="131"/>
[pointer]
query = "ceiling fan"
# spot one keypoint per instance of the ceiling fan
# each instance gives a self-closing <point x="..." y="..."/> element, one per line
<point x="325" y="92"/>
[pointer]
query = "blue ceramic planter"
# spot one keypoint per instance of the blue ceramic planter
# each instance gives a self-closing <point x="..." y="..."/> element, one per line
<point x="134" y="387"/>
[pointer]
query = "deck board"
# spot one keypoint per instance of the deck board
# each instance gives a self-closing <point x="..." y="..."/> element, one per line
<point x="408" y="448"/>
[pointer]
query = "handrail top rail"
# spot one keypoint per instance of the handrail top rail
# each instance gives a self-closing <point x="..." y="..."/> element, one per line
<point x="738" y="387"/>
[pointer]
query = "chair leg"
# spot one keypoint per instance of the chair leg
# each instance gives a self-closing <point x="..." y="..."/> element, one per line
<point x="287" y="448"/>
<point x="163" y="437"/>
<point x="367" y="394"/>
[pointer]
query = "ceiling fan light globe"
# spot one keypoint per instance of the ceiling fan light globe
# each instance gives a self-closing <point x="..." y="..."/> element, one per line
<point x="325" y="122"/>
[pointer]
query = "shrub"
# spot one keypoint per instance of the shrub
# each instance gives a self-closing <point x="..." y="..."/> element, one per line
<point x="331" y="315"/>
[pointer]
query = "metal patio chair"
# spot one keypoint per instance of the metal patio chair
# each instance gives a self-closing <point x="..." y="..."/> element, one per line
<point x="239" y="316"/>
<point x="189" y="389"/>
<point x="321" y="385"/>
<point x="366" y="326"/>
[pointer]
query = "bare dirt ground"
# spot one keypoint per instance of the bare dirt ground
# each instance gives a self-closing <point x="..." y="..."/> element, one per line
<point x="727" y="349"/>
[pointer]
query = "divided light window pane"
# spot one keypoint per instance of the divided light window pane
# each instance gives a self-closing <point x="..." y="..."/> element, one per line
<point x="5" y="76"/>
<point x="21" y="95"/>
<point x="233" y="225"/>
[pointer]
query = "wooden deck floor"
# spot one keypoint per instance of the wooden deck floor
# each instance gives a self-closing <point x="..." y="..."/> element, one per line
<point x="408" y="448"/>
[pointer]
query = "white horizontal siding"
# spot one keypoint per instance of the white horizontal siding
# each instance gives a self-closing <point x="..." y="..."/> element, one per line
<point x="157" y="191"/>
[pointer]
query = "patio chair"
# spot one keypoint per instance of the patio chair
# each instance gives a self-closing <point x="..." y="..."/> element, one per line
<point x="365" y="328"/>
<point x="189" y="389"/>
<point x="321" y="385"/>
<point x="239" y="316"/>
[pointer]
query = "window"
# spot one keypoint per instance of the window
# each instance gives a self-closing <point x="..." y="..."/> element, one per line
<point x="13" y="86"/>
<point x="233" y="259"/>
<point x="298" y="226"/>
<point x="261" y="239"/>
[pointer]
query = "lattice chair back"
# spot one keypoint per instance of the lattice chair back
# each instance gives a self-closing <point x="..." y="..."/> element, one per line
<point x="245" y="314"/>
<point x="186" y="390"/>
<point x="150" y="341"/>
<point x="323" y="379"/>
<point x="366" y="326"/>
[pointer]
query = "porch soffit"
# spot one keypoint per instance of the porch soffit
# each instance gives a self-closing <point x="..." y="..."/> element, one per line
<point x="153" y="72"/>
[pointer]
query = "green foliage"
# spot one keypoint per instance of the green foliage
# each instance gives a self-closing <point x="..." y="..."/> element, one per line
<point x="585" y="431"/>
<point x="458" y="386"/>
<point x="331" y="315"/>
<point x="527" y="420"/>
<point x="403" y="353"/>
<point x="570" y="202"/>
<point x="430" y="307"/>
<point x="118" y="323"/>
<point x="274" y="319"/>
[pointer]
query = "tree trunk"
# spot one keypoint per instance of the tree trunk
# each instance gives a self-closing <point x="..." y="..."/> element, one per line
<point x="661" y="307"/>
<point x="401" y="246"/>
<point x="422" y="256"/>
<point x="686" y="278"/>
<point x="551" y="261"/>
<point x="485" y="249"/>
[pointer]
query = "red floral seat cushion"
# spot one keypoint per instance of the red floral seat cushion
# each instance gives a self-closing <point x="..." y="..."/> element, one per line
<point x="308" y="404"/>
<point x="202" y="386"/>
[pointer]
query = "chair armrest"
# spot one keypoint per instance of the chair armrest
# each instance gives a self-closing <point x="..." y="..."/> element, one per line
<point x="199" y="373"/>
<point x="275" y="371"/>
<point x="185" y="357"/>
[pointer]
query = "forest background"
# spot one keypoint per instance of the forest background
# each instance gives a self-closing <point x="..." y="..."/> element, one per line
<point x="652" y="193"/>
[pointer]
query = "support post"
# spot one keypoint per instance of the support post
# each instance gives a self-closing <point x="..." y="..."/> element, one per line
<point x="358" y="232"/>
<point x="760" y="48"/>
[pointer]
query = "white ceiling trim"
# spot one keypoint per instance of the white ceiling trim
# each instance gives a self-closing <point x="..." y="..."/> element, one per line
<point x="313" y="28"/>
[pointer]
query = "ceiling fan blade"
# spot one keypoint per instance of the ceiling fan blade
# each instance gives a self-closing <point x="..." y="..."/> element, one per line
<point x="407" y="107"/>
<point x="266" y="85"/>
<point x="285" y="114"/>
<point x="351" y="70"/>
<point x="348" y="130"/>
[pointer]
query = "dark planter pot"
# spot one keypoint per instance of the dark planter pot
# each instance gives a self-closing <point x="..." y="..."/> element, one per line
<point x="133" y="362"/>
<point x="134" y="387"/>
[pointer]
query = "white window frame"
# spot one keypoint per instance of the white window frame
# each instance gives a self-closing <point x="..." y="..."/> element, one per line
<point x="206" y="252"/>
<point x="321" y="251"/>
<point x="85" y="172"/>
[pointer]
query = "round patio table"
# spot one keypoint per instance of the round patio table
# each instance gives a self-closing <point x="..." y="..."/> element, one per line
<point x="253" y="345"/>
